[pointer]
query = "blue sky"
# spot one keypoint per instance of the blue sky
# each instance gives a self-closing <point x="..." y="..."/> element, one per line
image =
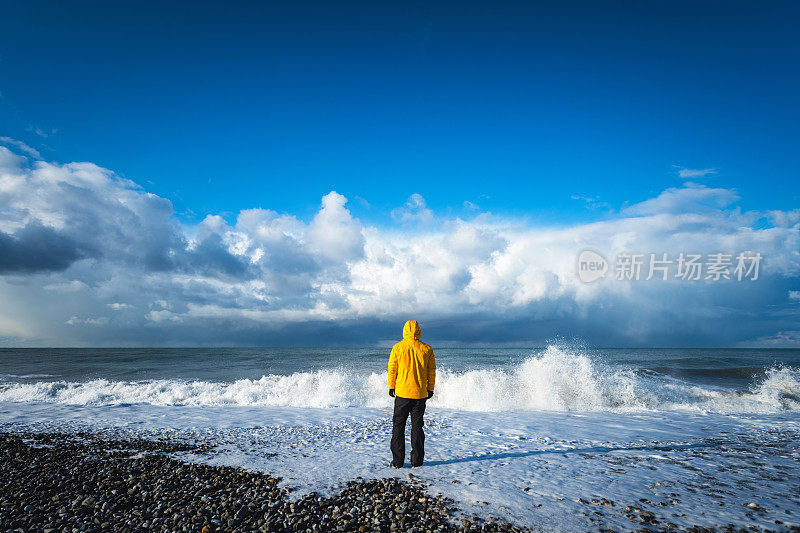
<point x="258" y="173"/>
<point x="221" y="107"/>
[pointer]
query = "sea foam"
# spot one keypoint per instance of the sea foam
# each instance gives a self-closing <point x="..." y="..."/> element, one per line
<point x="557" y="379"/>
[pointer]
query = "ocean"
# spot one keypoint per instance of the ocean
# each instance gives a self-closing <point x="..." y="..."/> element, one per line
<point x="527" y="435"/>
<point x="553" y="378"/>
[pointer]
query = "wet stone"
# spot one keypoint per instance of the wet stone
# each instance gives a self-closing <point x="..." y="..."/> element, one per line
<point x="83" y="482"/>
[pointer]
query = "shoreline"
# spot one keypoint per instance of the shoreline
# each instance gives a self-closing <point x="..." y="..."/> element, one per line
<point x="93" y="481"/>
<point x="55" y="481"/>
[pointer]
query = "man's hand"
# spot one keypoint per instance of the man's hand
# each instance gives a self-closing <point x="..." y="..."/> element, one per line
<point x="430" y="394"/>
<point x="391" y="393"/>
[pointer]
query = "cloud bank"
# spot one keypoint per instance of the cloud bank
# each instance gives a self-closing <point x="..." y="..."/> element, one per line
<point x="89" y="258"/>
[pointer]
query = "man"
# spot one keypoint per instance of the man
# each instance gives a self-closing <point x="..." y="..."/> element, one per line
<point x="412" y="375"/>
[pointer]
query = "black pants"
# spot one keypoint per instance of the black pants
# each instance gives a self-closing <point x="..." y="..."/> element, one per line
<point x="402" y="408"/>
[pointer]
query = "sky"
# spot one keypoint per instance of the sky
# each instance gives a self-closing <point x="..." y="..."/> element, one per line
<point x="313" y="174"/>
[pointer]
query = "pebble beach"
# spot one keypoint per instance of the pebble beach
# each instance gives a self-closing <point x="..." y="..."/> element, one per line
<point x="58" y="482"/>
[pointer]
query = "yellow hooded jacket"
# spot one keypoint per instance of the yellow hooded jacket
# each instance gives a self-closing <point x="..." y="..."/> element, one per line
<point x="412" y="365"/>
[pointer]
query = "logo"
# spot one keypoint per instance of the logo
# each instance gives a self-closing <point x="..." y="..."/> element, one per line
<point x="591" y="266"/>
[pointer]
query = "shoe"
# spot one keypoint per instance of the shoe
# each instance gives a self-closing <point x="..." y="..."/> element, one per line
<point x="395" y="466"/>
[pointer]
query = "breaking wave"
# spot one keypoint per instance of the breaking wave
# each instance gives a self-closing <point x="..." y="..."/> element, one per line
<point x="557" y="379"/>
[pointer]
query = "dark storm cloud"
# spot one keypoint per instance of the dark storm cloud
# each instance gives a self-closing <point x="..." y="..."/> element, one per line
<point x="36" y="248"/>
<point x="211" y="257"/>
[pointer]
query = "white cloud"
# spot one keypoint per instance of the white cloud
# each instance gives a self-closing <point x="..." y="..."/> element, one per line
<point x="162" y="316"/>
<point x="77" y="242"/>
<point x="90" y="321"/>
<point x="66" y="287"/>
<point x="591" y="202"/>
<point x="690" y="173"/>
<point x="689" y="199"/>
<point x="784" y="219"/>
<point x="9" y="162"/>
<point x="21" y="146"/>
<point x="414" y="210"/>
<point x="40" y="132"/>
<point x="334" y="233"/>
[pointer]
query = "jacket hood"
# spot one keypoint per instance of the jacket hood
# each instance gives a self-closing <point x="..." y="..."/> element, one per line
<point x="411" y="330"/>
